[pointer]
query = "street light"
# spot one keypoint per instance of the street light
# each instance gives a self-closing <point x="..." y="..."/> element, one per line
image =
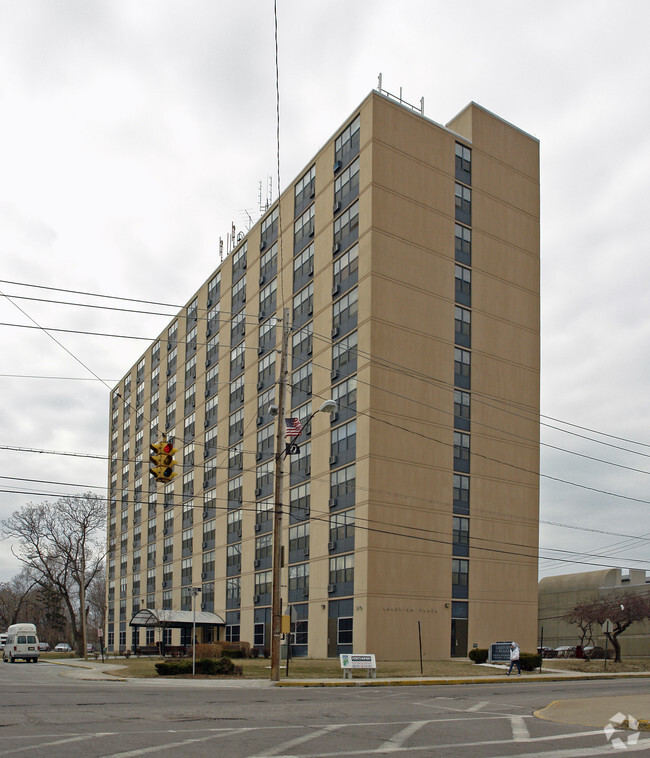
<point x="194" y="591"/>
<point x="329" y="406"/>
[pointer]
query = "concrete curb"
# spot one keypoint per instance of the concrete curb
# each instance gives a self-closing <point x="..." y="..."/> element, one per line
<point x="447" y="681"/>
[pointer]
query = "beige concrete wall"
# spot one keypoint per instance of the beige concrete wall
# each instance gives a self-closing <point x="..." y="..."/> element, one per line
<point x="404" y="392"/>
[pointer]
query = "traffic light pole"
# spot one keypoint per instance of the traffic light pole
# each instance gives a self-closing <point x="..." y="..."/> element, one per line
<point x="276" y="611"/>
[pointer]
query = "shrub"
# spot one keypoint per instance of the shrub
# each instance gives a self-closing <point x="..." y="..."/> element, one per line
<point x="530" y="661"/>
<point x="206" y="666"/>
<point x="172" y="668"/>
<point x="208" y="650"/>
<point x="232" y="654"/>
<point x="478" y="655"/>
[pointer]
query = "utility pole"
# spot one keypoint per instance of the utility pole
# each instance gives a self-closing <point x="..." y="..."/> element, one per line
<point x="276" y="610"/>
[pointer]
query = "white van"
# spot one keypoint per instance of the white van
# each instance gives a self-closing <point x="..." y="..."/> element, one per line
<point x="22" y="642"/>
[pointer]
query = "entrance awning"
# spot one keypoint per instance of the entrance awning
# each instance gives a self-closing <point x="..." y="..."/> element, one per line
<point x="175" y="619"/>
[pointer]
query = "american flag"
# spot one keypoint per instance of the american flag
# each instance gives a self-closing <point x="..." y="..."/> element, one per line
<point x="293" y="427"/>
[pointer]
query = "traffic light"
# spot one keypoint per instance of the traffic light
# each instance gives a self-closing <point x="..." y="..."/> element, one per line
<point x="163" y="459"/>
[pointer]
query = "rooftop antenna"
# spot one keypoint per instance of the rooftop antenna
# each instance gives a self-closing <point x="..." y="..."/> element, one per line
<point x="221" y="248"/>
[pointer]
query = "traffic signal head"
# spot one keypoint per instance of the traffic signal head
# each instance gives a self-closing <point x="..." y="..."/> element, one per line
<point x="163" y="459"/>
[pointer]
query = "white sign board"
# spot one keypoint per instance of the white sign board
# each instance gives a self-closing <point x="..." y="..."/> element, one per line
<point x="358" y="661"/>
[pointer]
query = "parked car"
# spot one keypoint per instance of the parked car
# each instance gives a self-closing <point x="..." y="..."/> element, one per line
<point x="547" y="652"/>
<point x="44" y="646"/>
<point x="566" y="651"/>
<point x="597" y="652"/>
<point x="63" y="647"/>
<point x="90" y="648"/>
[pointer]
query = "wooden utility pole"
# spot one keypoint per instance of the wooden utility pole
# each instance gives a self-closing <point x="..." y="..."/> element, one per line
<point x="276" y="611"/>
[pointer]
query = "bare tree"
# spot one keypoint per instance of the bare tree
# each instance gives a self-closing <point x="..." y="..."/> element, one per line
<point x="13" y="598"/>
<point x="622" y="608"/>
<point x="62" y="545"/>
<point x="583" y="621"/>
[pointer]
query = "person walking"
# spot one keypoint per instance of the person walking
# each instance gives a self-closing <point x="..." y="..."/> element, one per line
<point x="514" y="658"/>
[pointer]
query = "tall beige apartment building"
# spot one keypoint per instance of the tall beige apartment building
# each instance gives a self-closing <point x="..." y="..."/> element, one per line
<point x="406" y="255"/>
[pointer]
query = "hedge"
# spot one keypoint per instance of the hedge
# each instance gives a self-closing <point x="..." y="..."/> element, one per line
<point x="206" y="666"/>
<point x="530" y="661"/>
<point x="478" y="655"/>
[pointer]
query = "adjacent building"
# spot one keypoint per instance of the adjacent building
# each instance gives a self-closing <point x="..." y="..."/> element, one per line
<point x="560" y="594"/>
<point x="404" y="260"/>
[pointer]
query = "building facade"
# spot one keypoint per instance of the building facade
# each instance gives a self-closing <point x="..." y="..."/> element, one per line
<point x="560" y="594"/>
<point x="406" y="255"/>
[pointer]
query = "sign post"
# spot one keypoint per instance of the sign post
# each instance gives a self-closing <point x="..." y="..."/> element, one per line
<point x="607" y="628"/>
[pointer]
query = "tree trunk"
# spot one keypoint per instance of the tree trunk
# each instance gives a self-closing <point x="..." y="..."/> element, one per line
<point x="613" y="638"/>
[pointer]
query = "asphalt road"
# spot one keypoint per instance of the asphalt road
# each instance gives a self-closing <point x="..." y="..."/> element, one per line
<point x="44" y="712"/>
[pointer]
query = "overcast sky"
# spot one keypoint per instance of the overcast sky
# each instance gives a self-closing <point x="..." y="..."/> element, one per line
<point x="134" y="132"/>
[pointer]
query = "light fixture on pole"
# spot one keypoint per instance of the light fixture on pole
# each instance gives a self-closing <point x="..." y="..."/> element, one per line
<point x="194" y="591"/>
<point x="329" y="406"/>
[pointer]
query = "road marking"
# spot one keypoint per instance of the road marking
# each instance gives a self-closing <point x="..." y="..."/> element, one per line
<point x="478" y="706"/>
<point x="298" y="741"/>
<point x="520" y="731"/>
<point x="31" y="748"/>
<point x="169" y="745"/>
<point x="397" y="740"/>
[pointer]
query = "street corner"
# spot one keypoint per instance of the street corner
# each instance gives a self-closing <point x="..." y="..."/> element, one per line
<point x="612" y="713"/>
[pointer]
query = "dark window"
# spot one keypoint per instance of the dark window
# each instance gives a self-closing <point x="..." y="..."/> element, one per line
<point x="461" y="452"/>
<point x="346" y="186"/>
<point x="461" y="494"/>
<point x="301" y="346"/>
<point x="341" y="538"/>
<point x="346" y="270"/>
<point x="342" y="487"/>
<point x="462" y="368"/>
<point x="459" y="578"/>
<point x="298" y="582"/>
<point x="239" y="263"/>
<point x="346" y="145"/>
<point x="462" y="326"/>
<point x="269" y="263"/>
<point x="345" y="395"/>
<point x="344" y="444"/>
<point x="460" y="536"/>
<point x="463" y="242"/>
<point x="303" y="229"/>
<point x="304" y="191"/>
<point x="346" y="228"/>
<point x="303" y="267"/>
<point x="303" y="305"/>
<point x="345" y="313"/>
<point x="462" y="410"/>
<point x="268" y="299"/>
<point x="344" y="357"/>
<point x="463" y="204"/>
<point x="269" y="229"/>
<point x="463" y="285"/>
<point x="463" y="163"/>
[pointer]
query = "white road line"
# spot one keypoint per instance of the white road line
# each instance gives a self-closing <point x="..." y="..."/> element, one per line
<point x="397" y="741"/>
<point x="168" y="745"/>
<point x="520" y="731"/>
<point x="31" y="748"/>
<point x="478" y="706"/>
<point x="435" y="748"/>
<point x="297" y="741"/>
